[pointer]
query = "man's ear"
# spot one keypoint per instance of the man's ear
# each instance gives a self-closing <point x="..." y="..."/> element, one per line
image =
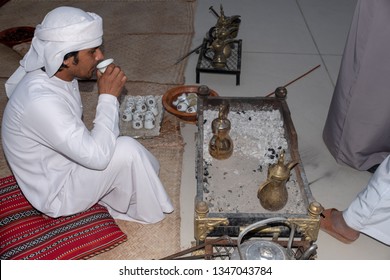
<point x="68" y="61"/>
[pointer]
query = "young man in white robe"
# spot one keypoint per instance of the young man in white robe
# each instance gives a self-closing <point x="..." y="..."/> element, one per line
<point x="61" y="167"/>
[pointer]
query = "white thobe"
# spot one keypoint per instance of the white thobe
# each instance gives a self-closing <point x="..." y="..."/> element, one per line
<point x="63" y="168"/>
<point x="370" y="211"/>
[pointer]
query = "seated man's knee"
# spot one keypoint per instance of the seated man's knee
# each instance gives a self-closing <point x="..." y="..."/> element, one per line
<point x="127" y="148"/>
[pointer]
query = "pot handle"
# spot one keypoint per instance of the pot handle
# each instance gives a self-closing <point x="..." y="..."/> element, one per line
<point x="259" y="224"/>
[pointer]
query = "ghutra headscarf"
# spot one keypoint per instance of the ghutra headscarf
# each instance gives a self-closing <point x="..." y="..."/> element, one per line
<point x="63" y="30"/>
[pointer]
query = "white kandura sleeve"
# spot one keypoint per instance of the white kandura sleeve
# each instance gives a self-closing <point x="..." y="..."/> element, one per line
<point x="53" y="123"/>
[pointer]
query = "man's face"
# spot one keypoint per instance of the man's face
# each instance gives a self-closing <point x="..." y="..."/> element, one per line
<point x="86" y="65"/>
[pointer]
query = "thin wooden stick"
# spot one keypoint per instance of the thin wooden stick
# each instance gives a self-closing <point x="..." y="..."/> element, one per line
<point x="308" y="72"/>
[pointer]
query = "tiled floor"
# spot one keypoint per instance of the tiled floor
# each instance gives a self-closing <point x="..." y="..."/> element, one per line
<point x="283" y="39"/>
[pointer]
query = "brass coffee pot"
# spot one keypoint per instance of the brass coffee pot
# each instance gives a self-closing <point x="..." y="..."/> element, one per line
<point x="221" y="145"/>
<point x="273" y="193"/>
<point x="222" y="50"/>
<point x="228" y="22"/>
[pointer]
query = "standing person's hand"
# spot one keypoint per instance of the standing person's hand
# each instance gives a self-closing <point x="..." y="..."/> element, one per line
<point x="112" y="81"/>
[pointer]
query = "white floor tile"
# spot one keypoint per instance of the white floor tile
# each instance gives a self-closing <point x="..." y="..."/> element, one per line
<point x="332" y="63"/>
<point x="328" y="22"/>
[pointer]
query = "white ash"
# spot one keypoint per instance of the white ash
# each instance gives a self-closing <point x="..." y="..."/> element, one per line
<point x="231" y="185"/>
<point x="258" y="134"/>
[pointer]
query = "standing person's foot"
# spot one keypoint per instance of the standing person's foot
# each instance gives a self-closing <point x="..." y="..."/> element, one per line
<point x="333" y="223"/>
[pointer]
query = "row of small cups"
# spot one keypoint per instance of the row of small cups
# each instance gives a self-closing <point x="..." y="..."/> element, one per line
<point x="141" y="111"/>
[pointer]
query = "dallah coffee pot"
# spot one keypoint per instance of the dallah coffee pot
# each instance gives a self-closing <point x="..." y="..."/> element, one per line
<point x="273" y="193"/>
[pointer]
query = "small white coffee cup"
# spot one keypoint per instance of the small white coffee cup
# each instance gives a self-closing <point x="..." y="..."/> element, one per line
<point x="137" y="124"/>
<point x="102" y="66"/>
<point x="154" y="110"/>
<point x="182" y="106"/>
<point x="127" y="115"/>
<point x="150" y="101"/>
<point x="149" y="124"/>
<point x="141" y="106"/>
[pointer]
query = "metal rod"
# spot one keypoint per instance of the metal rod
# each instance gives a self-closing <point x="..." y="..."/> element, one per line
<point x="196" y="248"/>
<point x="188" y="54"/>
<point x="211" y="9"/>
<point x="303" y="75"/>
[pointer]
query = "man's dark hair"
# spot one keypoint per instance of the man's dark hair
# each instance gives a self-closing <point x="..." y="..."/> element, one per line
<point x="69" y="55"/>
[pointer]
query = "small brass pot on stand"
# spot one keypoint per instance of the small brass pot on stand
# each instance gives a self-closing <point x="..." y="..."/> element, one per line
<point x="221" y="145"/>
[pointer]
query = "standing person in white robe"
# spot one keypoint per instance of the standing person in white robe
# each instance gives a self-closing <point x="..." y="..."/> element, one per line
<point x="368" y="213"/>
<point x="357" y="129"/>
<point x="61" y="167"/>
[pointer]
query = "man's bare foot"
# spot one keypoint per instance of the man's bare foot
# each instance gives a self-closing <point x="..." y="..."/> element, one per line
<point x="333" y="223"/>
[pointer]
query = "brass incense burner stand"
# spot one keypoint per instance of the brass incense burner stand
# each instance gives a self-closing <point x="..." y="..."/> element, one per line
<point x="221" y="51"/>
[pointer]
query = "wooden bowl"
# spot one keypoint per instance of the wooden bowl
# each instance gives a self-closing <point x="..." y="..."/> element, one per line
<point x="171" y="95"/>
<point x="16" y="35"/>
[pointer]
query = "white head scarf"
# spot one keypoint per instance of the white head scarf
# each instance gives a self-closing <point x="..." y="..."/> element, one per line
<point x="63" y="30"/>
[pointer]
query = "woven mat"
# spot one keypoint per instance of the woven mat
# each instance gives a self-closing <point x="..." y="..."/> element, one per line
<point x="149" y="58"/>
<point x="119" y="16"/>
<point x="145" y="38"/>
